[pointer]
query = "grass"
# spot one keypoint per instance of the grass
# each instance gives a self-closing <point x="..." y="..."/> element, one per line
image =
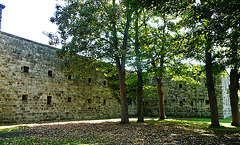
<point x="226" y="120"/>
<point x="204" y="123"/>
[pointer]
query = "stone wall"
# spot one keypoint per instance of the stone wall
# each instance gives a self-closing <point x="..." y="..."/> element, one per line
<point x="32" y="88"/>
<point x="186" y="100"/>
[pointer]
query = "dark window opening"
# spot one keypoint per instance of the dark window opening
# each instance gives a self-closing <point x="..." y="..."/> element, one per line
<point x="191" y="103"/>
<point x="50" y="73"/>
<point x="207" y="102"/>
<point x="89" y="80"/>
<point x="69" y="77"/>
<point x="104" y="101"/>
<point x="49" y="100"/>
<point x="181" y="103"/>
<point x="89" y="101"/>
<point x="130" y="102"/>
<point x="24" y="97"/>
<point x="180" y="85"/>
<point x="104" y="83"/>
<point x="26" y="69"/>
<point x="69" y="99"/>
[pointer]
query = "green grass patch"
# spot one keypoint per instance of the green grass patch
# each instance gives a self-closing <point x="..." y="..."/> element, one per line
<point x="14" y="128"/>
<point x="202" y="119"/>
<point x="198" y="123"/>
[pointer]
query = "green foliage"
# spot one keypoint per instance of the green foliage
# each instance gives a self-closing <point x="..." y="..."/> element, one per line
<point x="189" y="74"/>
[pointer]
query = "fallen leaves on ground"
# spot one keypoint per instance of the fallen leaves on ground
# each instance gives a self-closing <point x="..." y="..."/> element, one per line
<point x="114" y="133"/>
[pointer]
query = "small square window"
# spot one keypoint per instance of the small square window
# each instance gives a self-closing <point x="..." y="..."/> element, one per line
<point x="191" y="103"/>
<point x="181" y="103"/>
<point x="207" y="102"/>
<point x="26" y="69"/>
<point x="69" y="77"/>
<point x="89" y="80"/>
<point x="180" y="85"/>
<point x="89" y="101"/>
<point x="49" y="100"/>
<point x="69" y="99"/>
<point x="50" y="73"/>
<point x="24" y="97"/>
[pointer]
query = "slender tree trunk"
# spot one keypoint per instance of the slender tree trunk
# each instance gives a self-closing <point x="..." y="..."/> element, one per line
<point x="140" y="97"/>
<point x="122" y="72"/>
<point x="234" y="82"/>
<point x="210" y="86"/>
<point x="139" y="72"/>
<point x="234" y="85"/>
<point x="160" y="96"/>
<point x="123" y="96"/>
<point x="159" y="80"/>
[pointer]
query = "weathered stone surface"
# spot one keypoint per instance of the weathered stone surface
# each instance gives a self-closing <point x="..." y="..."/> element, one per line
<point x="186" y="100"/>
<point x="35" y="96"/>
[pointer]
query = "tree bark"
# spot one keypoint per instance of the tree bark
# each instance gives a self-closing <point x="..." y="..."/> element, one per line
<point x="160" y="96"/>
<point x="210" y="86"/>
<point x="234" y="81"/>
<point x="140" y="97"/>
<point x="139" y="72"/>
<point x="123" y="96"/>
<point x="122" y="72"/>
<point x="234" y="85"/>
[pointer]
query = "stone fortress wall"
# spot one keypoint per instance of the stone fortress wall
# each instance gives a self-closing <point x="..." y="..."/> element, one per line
<point x="186" y="100"/>
<point x="32" y="88"/>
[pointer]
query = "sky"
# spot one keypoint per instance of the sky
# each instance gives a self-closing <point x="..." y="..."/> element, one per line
<point x="29" y="18"/>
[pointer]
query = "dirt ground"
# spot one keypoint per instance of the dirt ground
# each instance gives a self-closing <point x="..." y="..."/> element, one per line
<point x="102" y="132"/>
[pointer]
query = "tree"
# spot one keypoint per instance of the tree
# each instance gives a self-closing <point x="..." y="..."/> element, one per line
<point x="97" y="29"/>
<point x="199" y="17"/>
<point x="139" y="68"/>
<point x="228" y="32"/>
<point x="160" y="53"/>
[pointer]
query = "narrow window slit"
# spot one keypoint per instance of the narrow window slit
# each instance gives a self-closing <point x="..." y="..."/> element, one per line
<point x="49" y="100"/>
<point x="69" y="99"/>
<point x="104" y="101"/>
<point x="50" y="73"/>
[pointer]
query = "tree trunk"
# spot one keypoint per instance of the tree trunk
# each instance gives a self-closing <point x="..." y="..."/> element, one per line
<point x="121" y="71"/>
<point x="123" y="96"/>
<point x="140" y="97"/>
<point x="160" y="96"/>
<point x="139" y="72"/>
<point x="234" y="85"/>
<point x="210" y="86"/>
<point x="234" y="81"/>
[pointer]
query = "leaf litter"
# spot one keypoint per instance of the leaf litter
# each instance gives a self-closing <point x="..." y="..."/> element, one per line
<point x="114" y="133"/>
